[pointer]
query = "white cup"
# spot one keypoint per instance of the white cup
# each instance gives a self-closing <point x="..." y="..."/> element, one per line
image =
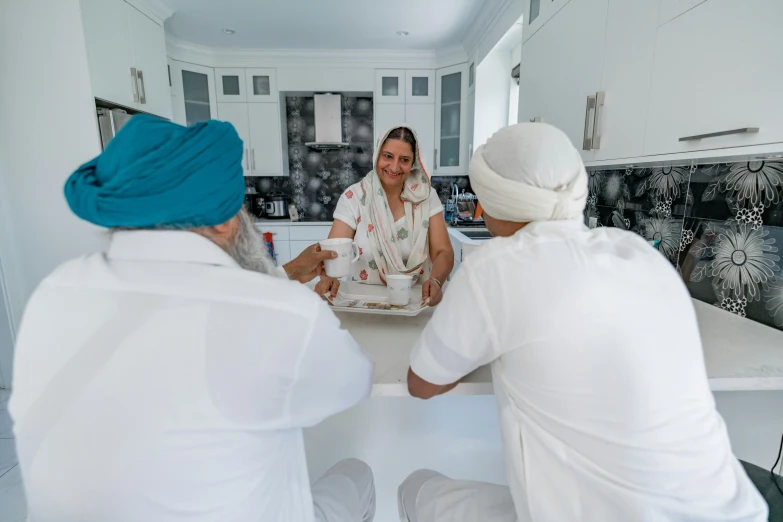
<point x="399" y="289"/>
<point x="347" y="253"/>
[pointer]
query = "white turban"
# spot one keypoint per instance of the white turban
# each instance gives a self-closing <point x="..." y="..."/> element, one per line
<point x="529" y="172"/>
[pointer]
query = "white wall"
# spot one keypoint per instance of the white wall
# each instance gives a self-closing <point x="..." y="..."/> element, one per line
<point x="47" y="129"/>
<point x="492" y="96"/>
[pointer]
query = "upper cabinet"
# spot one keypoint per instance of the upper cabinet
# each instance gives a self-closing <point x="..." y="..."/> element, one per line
<point x="560" y="73"/>
<point x="717" y="78"/>
<point x="127" y="56"/>
<point x="390" y="86"/>
<point x="632" y="79"/>
<point x="537" y="13"/>
<point x="451" y="91"/>
<point x="261" y="85"/>
<point x="192" y="92"/>
<point x="231" y="85"/>
<point x="420" y="86"/>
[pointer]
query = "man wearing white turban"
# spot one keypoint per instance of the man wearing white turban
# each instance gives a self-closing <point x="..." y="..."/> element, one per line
<point x="601" y="419"/>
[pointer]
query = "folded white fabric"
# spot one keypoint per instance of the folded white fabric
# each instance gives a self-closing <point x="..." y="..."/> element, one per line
<point x="529" y="172"/>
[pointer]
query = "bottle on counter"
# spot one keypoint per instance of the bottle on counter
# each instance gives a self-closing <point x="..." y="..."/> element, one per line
<point x="293" y="213"/>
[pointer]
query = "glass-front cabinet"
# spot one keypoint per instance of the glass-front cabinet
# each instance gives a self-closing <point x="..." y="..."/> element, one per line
<point x="261" y="85"/>
<point x="390" y="86"/>
<point x="193" y="93"/>
<point x="231" y="86"/>
<point x="450" y="118"/>
<point x="420" y="86"/>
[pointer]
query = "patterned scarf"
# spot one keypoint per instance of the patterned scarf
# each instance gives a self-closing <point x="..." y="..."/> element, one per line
<point x="374" y="210"/>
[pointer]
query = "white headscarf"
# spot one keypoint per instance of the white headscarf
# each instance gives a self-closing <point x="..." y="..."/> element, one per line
<point x="384" y="237"/>
<point x="529" y="172"/>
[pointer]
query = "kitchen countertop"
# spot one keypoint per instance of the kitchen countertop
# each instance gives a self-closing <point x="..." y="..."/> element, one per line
<point x="289" y="223"/>
<point x="740" y="354"/>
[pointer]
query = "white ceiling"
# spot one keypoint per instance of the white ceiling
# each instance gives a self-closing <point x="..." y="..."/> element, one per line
<point x="323" y="24"/>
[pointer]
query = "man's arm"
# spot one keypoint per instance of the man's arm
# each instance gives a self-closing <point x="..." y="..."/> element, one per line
<point x="458" y="339"/>
<point x="309" y="264"/>
<point x="422" y="389"/>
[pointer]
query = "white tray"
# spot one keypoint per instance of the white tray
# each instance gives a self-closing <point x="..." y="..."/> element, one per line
<point x="355" y="293"/>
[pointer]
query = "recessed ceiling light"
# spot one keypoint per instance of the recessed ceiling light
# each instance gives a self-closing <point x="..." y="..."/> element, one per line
<point x="403" y="33"/>
<point x="229" y="31"/>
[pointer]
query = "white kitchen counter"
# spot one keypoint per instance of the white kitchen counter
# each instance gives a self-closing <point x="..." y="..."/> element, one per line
<point x="289" y="223"/>
<point x="740" y="354"/>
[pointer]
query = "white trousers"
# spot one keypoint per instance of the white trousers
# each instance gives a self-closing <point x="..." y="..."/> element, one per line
<point x="346" y="493"/>
<point x="428" y="496"/>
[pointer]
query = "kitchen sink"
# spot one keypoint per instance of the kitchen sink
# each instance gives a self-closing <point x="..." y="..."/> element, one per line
<point x="477" y="234"/>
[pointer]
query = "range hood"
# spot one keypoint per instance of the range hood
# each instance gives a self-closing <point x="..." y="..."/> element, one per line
<point x="328" y="123"/>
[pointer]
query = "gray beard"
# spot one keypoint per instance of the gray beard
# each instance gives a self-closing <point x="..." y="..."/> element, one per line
<point x="248" y="248"/>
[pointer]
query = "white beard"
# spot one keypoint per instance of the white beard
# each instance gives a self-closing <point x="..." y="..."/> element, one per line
<point x="248" y="248"/>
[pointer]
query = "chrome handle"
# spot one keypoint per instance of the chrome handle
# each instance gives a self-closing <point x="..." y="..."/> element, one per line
<point x="599" y="102"/>
<point x="436" y="160"/>
<point x="247" y="160"/>
<point x="470" y="151"/>
<point x="537" y="119"/>
<point x="134" y="85"/>
<point x="743" y="130"/>
<point x="253" y="157"/>
<point x="587" y="144"/>
<point x="142" y="91"/>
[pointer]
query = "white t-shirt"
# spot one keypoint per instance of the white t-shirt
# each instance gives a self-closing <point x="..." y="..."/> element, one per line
<point x="160" y="382"/>
<point x="347" y="211"/>
<point x="604" y="403"/>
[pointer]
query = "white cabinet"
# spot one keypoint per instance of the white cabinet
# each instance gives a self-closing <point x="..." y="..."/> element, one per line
<point x="127" y="56"/>
<point x="421" y="117"/>
<point x="670" y="9"/>
<point x="390" y="86"/>
<point x="561" y="70"/>
<point x="470" y="127"/>
<point x="109" y="51"/>
<point x="149" y="56"/>
<point x="386" y="116"/>
<point x="627" y="72"/>
<point x="231" y="85"/>
<point x="192" y="92"/>
<point x="451" y="90"/>
<point x="261" y="85"/>
<point x="536" y="13"/>
<point x="258" y="125"/>
<point x="236" y="115"/>
<point x="420" y="86"/>
<point x="718" y="69"/>
<point x="266" y="148"/>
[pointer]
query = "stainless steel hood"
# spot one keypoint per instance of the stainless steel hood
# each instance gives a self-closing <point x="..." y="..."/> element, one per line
<point x="328" y="122"/>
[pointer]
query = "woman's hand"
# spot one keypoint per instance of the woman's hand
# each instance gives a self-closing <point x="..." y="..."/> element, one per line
<point x="431" y="290"/>
<point x="327" y="285"/>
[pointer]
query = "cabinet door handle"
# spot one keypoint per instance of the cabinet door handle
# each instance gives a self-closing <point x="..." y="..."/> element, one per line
<point x="536" y="119"/>
<point x="600" y="96"/>
<point x="743" y="130"/>
<point x="134" y="85"/>
<point x="436" y="160"/>
<point x="253" y="157"/>
<point x="142" y="90"/>
<point x="587" y="144"/>
<point x="470" y="151"/>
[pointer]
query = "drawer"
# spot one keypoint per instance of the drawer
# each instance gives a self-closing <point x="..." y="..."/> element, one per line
<point x="297" y="247"/>
<point x="313" y="233"/>
<point x="279" y="233"/>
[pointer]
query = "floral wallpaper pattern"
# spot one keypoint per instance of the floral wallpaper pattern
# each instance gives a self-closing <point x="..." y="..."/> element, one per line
<point x="720" y="225"/>
<point x="318" y="178"/>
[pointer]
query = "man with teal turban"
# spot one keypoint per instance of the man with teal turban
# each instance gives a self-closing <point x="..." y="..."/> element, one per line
<point x="169" y="378"/>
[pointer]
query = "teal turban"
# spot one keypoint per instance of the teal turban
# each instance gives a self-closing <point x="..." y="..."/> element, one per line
<point x="155" y="172"/>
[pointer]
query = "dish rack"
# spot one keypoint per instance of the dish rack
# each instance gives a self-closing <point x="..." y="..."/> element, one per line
<point x="461" y="207"/>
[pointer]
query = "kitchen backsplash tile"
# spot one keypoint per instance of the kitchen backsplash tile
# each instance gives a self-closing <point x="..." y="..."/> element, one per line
<point x="721" y="226"/>
<point x="318" y="178"/>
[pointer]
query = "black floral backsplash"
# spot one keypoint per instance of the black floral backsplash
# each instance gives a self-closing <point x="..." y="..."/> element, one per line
<point x="318" y="178"/>
<point x="721" y="226"/>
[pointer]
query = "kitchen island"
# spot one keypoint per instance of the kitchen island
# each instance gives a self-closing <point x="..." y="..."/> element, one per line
<point x="740" y="354"/>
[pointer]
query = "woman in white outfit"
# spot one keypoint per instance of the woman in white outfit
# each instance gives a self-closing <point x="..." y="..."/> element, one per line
<point x="605" y="409"/>
<point x="396" y="220"/>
